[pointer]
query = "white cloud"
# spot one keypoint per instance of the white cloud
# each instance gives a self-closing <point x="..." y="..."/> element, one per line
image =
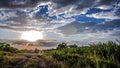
<point x="30" y="19"/>
<point x="75" y="13"/>
<point x="104" y="15"/>
<point x="104" y="7"/>
<point x="68" y="11"/>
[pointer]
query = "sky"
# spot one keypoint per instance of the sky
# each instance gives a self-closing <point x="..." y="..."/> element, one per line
<point x="85" y="21"/>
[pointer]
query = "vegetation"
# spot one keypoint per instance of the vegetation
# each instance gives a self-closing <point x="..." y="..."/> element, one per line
<point x="62" y="46"/>
<point x="100" y="55"/>
<point x="13" y="58"/>
<point x="6" y="47"/>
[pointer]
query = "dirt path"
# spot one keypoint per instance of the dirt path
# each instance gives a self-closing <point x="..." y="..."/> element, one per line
<point x="21" y="63"/>
<point x="31" y="57"/>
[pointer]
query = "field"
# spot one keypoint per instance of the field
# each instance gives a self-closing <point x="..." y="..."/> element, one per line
<point x="100" y="55"/>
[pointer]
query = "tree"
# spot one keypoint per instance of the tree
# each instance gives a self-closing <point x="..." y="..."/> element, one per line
<point x="4" y="45"/>
<point x="73" y="46"/>
<point x="62" y="45"/>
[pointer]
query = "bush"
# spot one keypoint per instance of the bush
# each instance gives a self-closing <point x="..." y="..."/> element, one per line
<point x="73" y="46"/>
<point x="101" y="55"/>
<point x="6" y="47"/>
<point x="62" y="46"/>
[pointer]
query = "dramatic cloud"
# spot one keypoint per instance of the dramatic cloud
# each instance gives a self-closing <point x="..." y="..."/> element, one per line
<point x="19" y="3"/>
<point x="76" y="28"/>
<point x="62" y="19"/>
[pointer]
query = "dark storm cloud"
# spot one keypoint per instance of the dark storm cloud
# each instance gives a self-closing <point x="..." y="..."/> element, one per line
<point x="107" y="2"/>
<point x="62" y="3"/>
<point x="19" y="3"/>
<point x="59" y="3"/>
<point x="81" y="4"/>
<point x="76" y="28"/>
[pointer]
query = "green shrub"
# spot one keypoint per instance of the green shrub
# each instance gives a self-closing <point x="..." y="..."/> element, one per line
<point x="100" y="55"/>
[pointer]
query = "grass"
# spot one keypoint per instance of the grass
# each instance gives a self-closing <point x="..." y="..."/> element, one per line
<point x="100" y="55"/>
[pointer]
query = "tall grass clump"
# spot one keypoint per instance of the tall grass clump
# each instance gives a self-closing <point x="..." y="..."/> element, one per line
<point x="100" y="55"/>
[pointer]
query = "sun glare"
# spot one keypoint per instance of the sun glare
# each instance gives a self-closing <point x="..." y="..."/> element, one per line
<point x="32" y="35"/>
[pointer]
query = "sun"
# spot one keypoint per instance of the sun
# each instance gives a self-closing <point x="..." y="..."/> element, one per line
<point x="32" y="35"/>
